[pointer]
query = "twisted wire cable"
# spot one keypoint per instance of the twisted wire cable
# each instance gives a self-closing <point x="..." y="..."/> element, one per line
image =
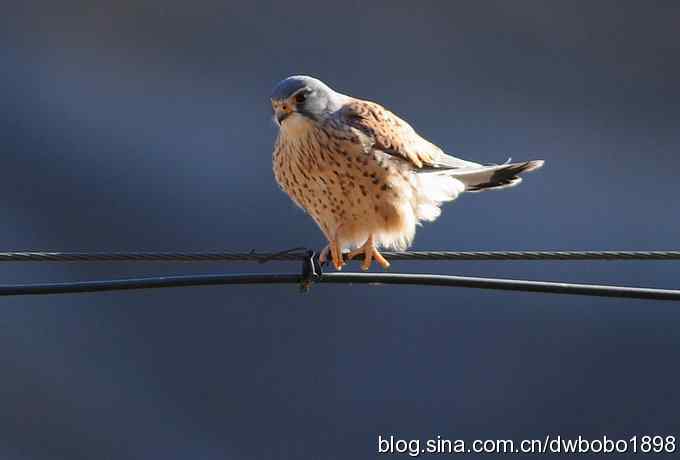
<point x="298" y="254"/>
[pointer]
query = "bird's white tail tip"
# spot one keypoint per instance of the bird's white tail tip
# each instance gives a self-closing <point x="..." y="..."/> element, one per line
<point x="533" y="165"/>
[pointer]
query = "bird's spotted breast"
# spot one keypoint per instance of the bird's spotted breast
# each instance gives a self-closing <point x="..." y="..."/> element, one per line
<point x="340" y="182"/>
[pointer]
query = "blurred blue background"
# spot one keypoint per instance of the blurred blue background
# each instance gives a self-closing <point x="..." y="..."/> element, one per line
<point x="145" y="125"/>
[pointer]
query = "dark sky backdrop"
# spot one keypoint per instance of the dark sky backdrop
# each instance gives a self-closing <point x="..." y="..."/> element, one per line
<point x="145" y="125"/>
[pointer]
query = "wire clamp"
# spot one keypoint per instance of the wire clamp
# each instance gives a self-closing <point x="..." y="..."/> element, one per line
<point x="311" y="270"/>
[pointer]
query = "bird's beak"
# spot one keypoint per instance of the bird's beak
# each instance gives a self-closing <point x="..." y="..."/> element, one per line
<point x="282" y="110"/>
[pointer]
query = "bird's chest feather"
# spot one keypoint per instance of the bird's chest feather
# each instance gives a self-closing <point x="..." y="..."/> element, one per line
<point x="331" y="173"/>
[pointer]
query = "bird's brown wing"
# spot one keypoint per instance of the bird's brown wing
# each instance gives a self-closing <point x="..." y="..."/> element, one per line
<point x="392" y="135"/>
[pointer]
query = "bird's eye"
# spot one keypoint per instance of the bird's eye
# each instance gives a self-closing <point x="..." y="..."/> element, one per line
<point x="300" y="97"/>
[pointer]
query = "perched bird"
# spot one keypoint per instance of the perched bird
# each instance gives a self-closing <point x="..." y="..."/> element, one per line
<point x="363" y="174"/>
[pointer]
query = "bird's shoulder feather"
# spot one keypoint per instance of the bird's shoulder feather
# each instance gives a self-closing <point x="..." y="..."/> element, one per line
<point x="391" y="134"/>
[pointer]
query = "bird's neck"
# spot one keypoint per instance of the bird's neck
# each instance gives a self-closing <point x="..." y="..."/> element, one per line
<point x="296" y="128"/>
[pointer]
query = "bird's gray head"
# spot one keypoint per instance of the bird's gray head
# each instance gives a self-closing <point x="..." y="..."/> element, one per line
<point x="305" y="96"/>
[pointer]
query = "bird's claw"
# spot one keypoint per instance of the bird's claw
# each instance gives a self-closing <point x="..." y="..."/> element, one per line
<point x="370" y="252"/>
<point x="336" y="255"/>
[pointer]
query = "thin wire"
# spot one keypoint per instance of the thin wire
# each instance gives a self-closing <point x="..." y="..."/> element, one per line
<point x="298" y="254"/>
<point x="360" y="278"/>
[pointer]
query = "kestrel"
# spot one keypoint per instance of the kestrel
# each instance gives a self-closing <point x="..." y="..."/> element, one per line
<point x="363" y="174"/>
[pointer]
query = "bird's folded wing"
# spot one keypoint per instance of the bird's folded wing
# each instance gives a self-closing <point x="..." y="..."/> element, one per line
<point x="394" y="136"/>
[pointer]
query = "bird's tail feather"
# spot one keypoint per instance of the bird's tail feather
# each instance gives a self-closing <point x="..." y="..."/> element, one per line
<point x="494" y="177"/>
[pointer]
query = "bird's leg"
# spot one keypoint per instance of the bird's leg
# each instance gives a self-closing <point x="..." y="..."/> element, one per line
<point x="370" y="252"/>
<point x="336" y="255"/>
<point x="336" y="252"/>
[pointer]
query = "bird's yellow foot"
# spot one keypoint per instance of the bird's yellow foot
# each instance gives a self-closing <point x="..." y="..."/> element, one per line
<point x="336" y="255"/>
<point x="370" y="252"/>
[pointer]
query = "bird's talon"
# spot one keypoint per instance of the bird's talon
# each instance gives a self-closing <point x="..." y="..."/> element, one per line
<point x="381" y="260"/>
<point x="336" y="255"/>
<point x="370" y="253"/>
